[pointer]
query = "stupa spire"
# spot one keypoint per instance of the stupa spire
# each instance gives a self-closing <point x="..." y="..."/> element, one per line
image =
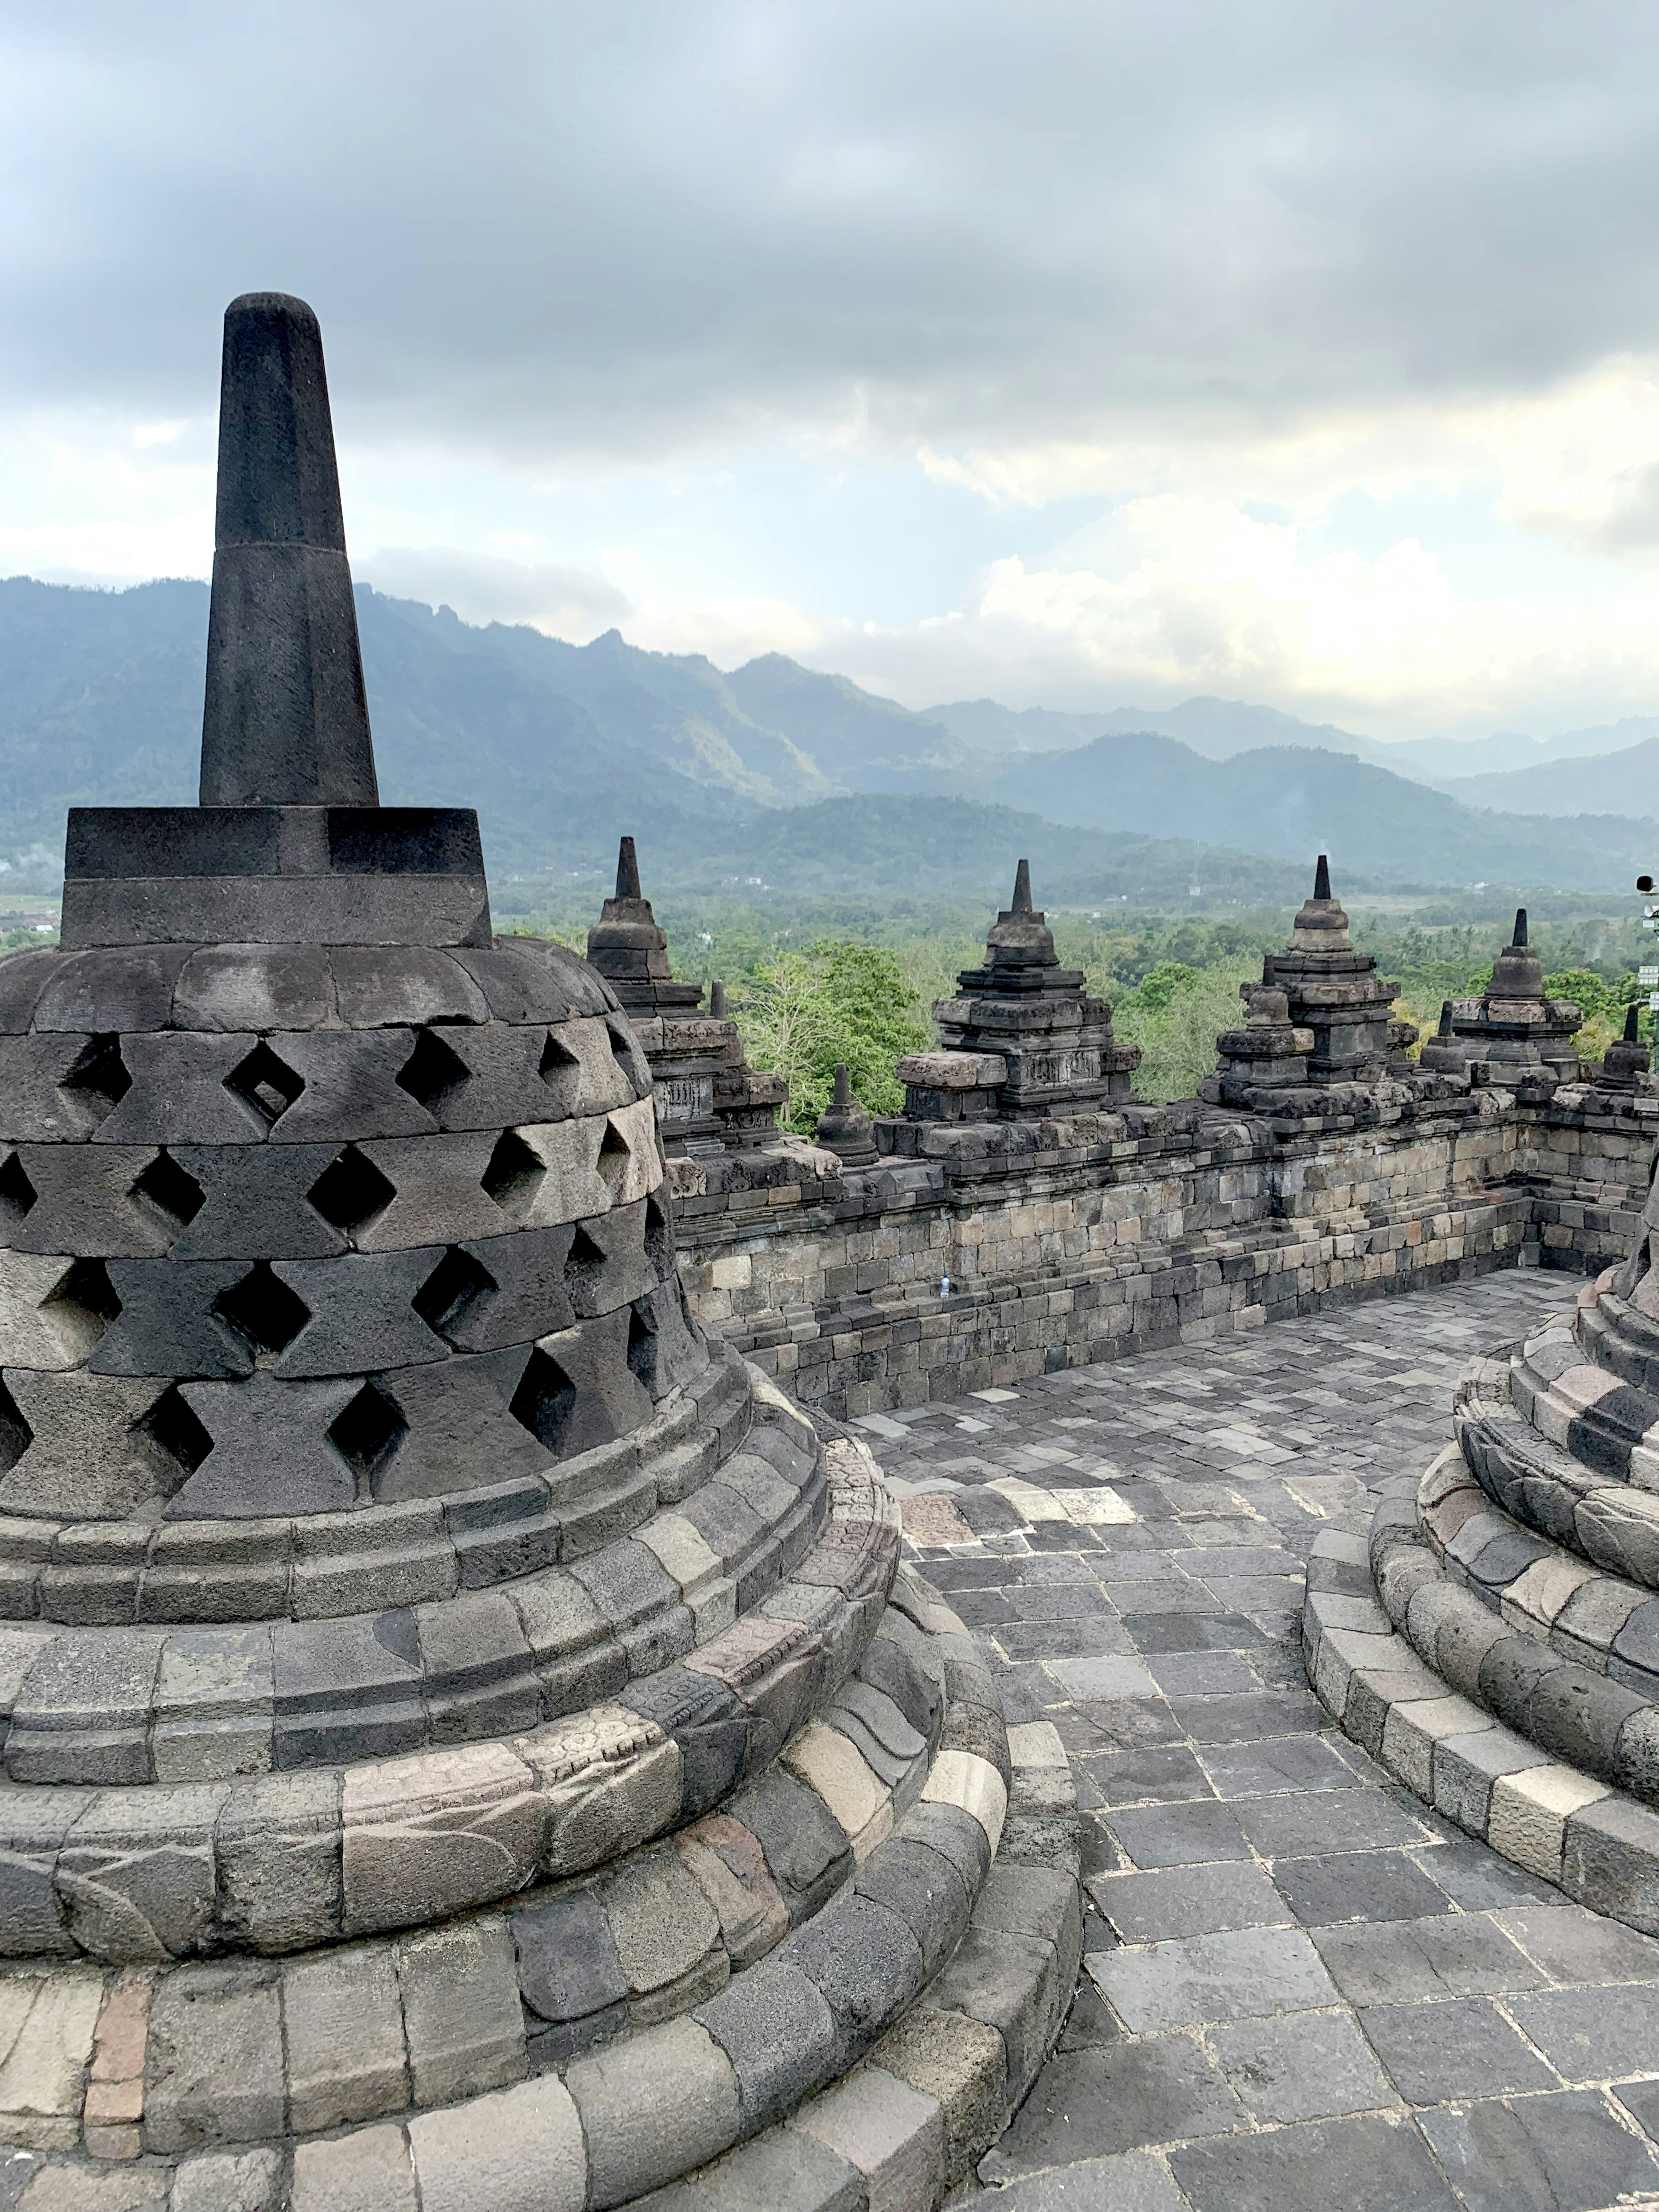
<point x="1520" y="936"/>
<point x="1022" y="900"/>
<point x="1322" y="878"/>
<point x="627" y="871"/>
<point x="285" y="720"/>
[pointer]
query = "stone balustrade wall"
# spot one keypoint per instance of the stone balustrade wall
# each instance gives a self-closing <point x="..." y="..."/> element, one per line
<point x="1069" y="1241"/>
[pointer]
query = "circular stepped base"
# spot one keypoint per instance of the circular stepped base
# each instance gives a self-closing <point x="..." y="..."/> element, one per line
<point x="958" y="1971"/>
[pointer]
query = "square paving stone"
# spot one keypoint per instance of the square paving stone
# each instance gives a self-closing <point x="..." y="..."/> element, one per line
<point x="1162" y="1774"/>
<point x="1134" y="2181"/>
<point x="1366" y="2165"/>
<point x="1088" y="2103"/>
<point x="1247" y="1719"/>
<point x="1369" y="1886"/>
<point x="1131" y="1722"/>
<point x="1594" y="2034"/>
<point x="1330" y="1820"/>
<point x="1191" y="1630"/>
<point x="1462" y="2048"/>
<point x="1291" y="1762"/>
<point x="1304" y="2066"/>
<point x="1201" y="1674"/>
<point x="1179" y="1835"/>
<point x="1574" y="1944"/>
<point x="1060" y="1639"/>
<point x="1236" y="1974"/>
<point x="1641" y="2098"/>
<point x="1148" y="1908"/>
<point x="1477" y="1879"/>
<point x="1561" y="2153"/>
<point x="1460" y="1954"/>
<point x="1108" y="1678"/>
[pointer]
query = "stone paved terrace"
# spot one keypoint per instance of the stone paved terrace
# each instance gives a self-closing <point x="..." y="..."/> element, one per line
<point x="1302" y="1989"/>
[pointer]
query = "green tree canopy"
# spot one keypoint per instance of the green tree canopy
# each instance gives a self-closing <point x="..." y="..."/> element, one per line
<point x="805" y="1011"/>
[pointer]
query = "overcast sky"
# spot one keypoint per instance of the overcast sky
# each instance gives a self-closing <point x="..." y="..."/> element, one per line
<point x="1085" y="355"/>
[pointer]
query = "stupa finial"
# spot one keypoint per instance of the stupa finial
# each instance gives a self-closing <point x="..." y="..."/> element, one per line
<point x="285" y="720"/>
<point x="1322" y="879"/>
<point x="1022" y="901"/>
<point x="627" y="871"/>
<point x="1520" y="936"/>
<point x="1631" y="1018"/>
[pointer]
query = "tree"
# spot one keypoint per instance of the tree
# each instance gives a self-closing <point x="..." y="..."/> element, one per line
<point x="805" y="1011"/>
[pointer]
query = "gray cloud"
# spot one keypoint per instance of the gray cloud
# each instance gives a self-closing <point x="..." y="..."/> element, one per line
<point x="533" y="228"/>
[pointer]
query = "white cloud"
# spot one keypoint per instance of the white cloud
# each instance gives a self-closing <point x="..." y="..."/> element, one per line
<point x="561" y="597"/>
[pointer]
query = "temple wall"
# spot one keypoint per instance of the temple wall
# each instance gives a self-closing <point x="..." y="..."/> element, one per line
<point x="1189" y="1227"/>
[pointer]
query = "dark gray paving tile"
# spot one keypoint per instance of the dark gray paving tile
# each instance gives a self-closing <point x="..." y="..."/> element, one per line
<point x="1147" y="1908"/>
<point x="1559" y="2153"/>
<point x="1370" y="1885"/>
<point x="1574" y="1944"/>
<point x="1594" y="2034"/>
<point x="1310" y="2066"/>
<point x="1366" y="2165"/>
<point x="1179" y="1835"/>
<point x="1088" y="2103"/>
<point x="1334" y="1820"/>
<point x="1477" y="1877"/>
<point x="1201" y="1674"/>
<point x="1244" y="1719"/>
<point x="1242" y="1973"/>
<point x="1462" y="2047"/>
<point x="1162" y="1774"/>
<point x="1459" y="1954"/>
<point x="1133" y="2181"/>
<point x="1190" y="1629"/>
<point x="1284" y="1762"/>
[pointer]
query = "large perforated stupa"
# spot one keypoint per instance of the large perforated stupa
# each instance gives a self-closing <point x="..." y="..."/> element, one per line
<point x="458" y="1748"/>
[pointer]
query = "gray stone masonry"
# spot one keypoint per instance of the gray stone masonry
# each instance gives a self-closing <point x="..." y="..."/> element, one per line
<point x="1302" y="1989"/>
<point x="1513" y="1033"/>
<point x="707" y="1095"/>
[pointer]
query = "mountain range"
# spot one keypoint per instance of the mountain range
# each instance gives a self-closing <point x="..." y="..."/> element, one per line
<point x="777" y="773"/>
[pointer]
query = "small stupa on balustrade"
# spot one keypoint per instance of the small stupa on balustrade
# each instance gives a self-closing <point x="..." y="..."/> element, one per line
<point x="1627" y="1059"/>
<point x="1512" y="1030"/>
<point x="844" y="1127"/>
<point x="707" y="1095"/>
<point x="1021" y="1041"/>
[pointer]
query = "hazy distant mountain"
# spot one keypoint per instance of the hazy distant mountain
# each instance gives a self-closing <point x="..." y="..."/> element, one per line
<point x="561" y="747"/>
<point x="1622" y="782"/>
<point x="1292" y="800"/>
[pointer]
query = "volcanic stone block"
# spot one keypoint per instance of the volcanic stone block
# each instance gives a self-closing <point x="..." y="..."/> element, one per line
<point x="58" y="1088"/>
<point x="806" y="1848"/>
<point x="367" y="2171"/>
<point x="25" y="975"/>
<point x="577" y="1390"/>
<point x="728" y="1862"/>
<point x="214" y="2066"/>
<point x="52" y="1310"/>
<point x="33" y="1826"/>
<point x="184" y="1091"/>
<point x="438" y="1834"/>
<point x="169" y="1324"/>
<point x="461" y="1426"/>
<point x="461" y="2009"/>
<point x="403" y="985"/>
<point x="605" y="1268"/>
<point x="347" y="1689"/>
<point x="360" y="1314"/>
<point x="866" y="1963"/>
<point x="642" y="1603"/>
<point x="570" y="1976"/>
<point x="554" y="1172"/>
<point x="500" y="1530"/>
<point x="352" y="1087"/>
<point x="137" y="1873"/>
<point x="666" y="1933"/>
<point x="90" y="1452"/>
<point x="499" y="1291"/>
<point x="637" y="2137"/>
<point x="112" y="992"/>
<point x="775" y="2026"/>
<point x="498" y="1080"/>
<point x="578" y="1656"/>
<point x="213" y="1704"/>
<point x="254" y="987"/>
<point x="924" y="1890"/>
<point x="256" y="1203"/>
<point x="596" y="1055"/>
<point x="271" y="1452"/>
<point x="278" y="1849"/>
<point x="438" y="1191"/>
<point x="477" y="1666"/>
<point x="76" y="1198"/>
<point x="515" y="2150"/>
<point x="708" y="1723"/>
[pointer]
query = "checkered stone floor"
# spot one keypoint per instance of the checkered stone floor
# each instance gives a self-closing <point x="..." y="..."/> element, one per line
<point x="1302" y="1989"/>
